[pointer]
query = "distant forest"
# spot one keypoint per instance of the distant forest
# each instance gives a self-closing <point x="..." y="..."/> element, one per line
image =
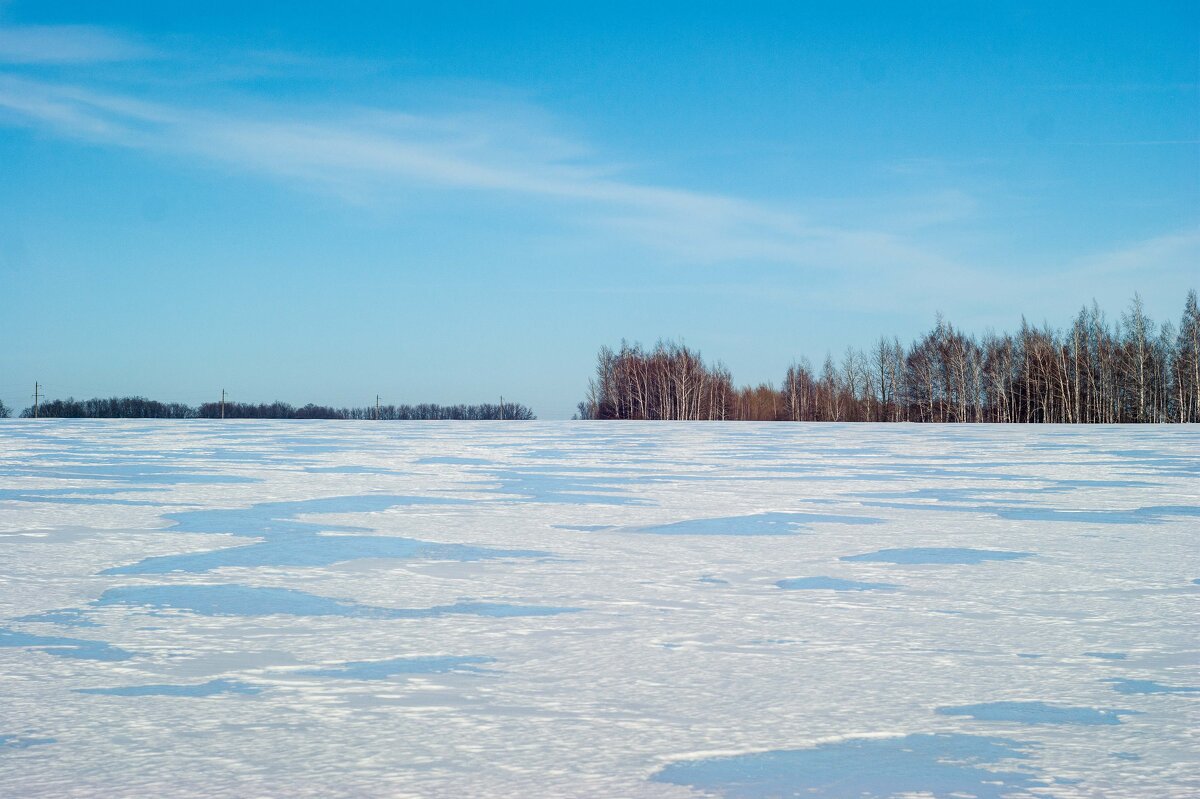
<point x="1095" y="370"/>
<point x="141" y="408"/>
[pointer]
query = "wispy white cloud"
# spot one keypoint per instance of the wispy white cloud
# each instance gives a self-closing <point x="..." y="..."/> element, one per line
<point x="1155" y="266"/>
<point x="66" y="44"/>
<point x="368" y="156"/>
<point x="1176" y="252"/>
<point x="883" y="252"/>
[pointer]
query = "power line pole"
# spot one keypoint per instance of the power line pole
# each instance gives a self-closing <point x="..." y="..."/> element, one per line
<point x="222" y="403"/>
<point x="377" y="407"/>
<point x="36" y="394"/>
<point x="502" y="407"/>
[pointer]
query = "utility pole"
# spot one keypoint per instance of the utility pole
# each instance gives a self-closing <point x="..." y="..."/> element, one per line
<point x="222" y="403"/>
<point x="502" y="407"/>
<point x="377" y="407"/>
<point x="36" y="395"/>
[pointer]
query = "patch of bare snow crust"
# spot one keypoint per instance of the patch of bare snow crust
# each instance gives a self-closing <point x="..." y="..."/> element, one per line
<point x="590" y="609"/>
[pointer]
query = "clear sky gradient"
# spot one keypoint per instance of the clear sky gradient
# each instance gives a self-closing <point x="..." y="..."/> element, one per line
<point x="448" y="202"/>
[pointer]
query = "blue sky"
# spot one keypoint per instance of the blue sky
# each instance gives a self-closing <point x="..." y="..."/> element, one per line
<point x="315" y="201"/>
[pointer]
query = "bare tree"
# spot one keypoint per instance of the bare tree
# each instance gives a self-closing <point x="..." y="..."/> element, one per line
<point x="1130" y="371"/>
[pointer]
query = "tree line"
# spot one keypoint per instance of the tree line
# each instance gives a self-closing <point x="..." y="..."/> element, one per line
<point x="423" y="411"/>
<point x="1096" y="370"/>
<point x="142" y="408"/>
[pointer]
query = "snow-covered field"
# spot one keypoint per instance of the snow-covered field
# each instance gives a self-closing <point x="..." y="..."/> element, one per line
<point x="598" y="610"/>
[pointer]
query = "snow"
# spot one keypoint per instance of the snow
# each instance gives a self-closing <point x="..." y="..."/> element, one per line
<point x="592" y="609"/>
<point x="943" y="765"/>
<point x="1036" y="713"/>
<point x="210" y="688"/>
<point x="831" y="584"/>
<point x="920" y="555"/>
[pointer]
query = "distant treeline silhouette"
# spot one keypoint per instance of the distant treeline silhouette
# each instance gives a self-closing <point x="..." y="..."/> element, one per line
<point x="424" y="411"/>
<point x="1129" y="370"/>
<point x="111" y="408"/>
<point x="141" y="408"/>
